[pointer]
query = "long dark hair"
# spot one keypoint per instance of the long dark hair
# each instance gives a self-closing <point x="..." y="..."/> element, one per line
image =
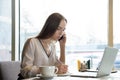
<point x="50" y="26"/>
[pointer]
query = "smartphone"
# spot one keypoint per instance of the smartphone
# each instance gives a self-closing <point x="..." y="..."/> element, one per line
<point x="60" y="38"/>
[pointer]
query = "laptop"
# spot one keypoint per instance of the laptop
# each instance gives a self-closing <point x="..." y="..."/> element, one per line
<point x="105" y="66"/>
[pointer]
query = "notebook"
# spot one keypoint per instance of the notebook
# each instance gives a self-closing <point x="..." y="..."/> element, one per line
<point x="105" y="66"/>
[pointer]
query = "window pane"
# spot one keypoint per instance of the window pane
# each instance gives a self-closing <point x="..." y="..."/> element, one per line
<point x="86" y="29"/>
<point x="116" y="25"/>
<point x="5" y="30"/>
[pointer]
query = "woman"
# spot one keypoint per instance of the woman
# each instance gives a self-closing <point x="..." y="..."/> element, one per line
<point x="40" y="50"/>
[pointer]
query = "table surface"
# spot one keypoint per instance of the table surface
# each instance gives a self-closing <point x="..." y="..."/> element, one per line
<point x="112" y="76"/>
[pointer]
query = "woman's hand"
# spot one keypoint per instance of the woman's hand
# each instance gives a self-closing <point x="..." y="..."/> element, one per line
<point x="63" y="40"/>
<point x="62" y="68"/>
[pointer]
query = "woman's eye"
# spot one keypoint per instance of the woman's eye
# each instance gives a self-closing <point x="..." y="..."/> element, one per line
<point x="62" y="29"/>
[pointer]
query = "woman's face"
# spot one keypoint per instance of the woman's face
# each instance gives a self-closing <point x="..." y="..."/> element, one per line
<point x="60" y="30"/>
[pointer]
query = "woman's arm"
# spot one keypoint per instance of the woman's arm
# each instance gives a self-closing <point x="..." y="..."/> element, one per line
<point x="27" y="67"/>
<point x="62" y="54"/>
<point x="62" y="48"/>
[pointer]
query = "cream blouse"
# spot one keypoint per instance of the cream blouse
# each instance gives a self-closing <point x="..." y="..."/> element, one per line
<point x="34" y="56"/>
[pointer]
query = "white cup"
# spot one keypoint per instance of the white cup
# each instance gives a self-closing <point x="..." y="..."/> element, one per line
<point x="48" y="70"/>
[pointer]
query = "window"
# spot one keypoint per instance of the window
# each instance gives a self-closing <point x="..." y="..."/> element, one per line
<point x="116" y="25"/>
<point x="5" y="30"/>
<point x="86" y="29"/>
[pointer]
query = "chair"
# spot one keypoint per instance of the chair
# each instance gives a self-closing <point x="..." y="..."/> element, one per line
<point x="9" y="70"/>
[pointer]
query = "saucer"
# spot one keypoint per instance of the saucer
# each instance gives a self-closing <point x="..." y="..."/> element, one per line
<point x="46" y="77"/>
<point x="66" y="74"/>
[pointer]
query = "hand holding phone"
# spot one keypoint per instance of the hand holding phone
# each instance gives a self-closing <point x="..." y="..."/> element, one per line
<point x="60" y="38"/>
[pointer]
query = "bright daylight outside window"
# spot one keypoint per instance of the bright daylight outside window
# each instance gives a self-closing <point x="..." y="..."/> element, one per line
<point x="116" y="25"/>
<point x="86" y="28"/>
<point x="5" y="30"/>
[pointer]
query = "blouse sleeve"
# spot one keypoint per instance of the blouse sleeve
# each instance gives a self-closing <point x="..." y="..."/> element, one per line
<point x="27" y="67"/>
